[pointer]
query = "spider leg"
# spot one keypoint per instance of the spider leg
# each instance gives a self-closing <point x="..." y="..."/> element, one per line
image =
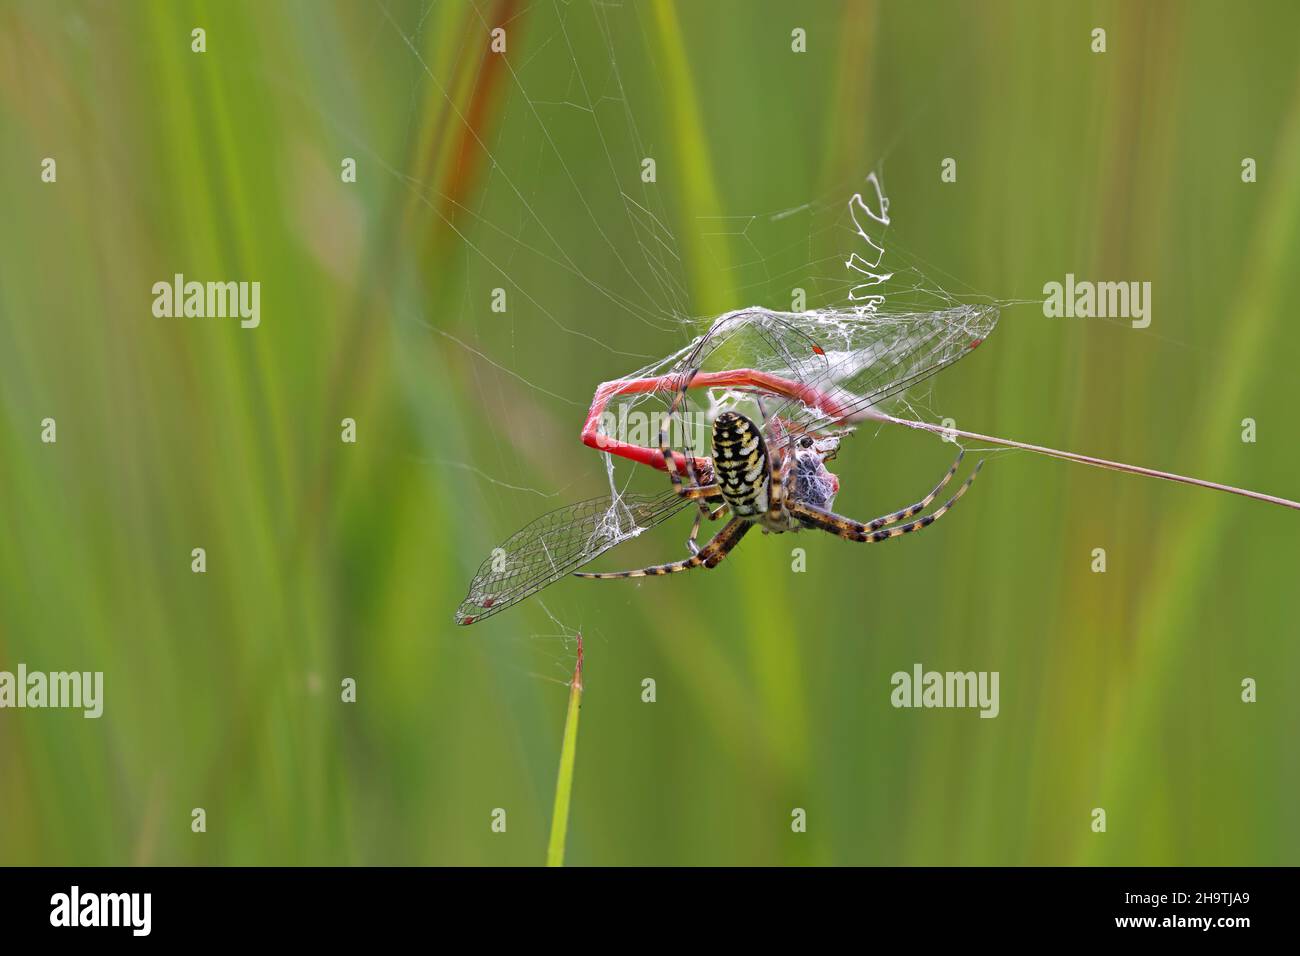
<point x="874" y="531"/>
<point x="691" y="546"/>
<point x="884" y="521"/>
<point x="708" y="557"/>
<point x="669" y="459"/>
<point x="704" y="512"/>
<point x="839" y="434"/>
<point x="702" y="504"/>
<point x="670" y="465"/>
<point x="778" y="473"/>
<point x="701" y="493"/>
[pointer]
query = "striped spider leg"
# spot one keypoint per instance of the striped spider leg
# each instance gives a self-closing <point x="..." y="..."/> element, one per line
<point x="692" y="470"/>
<point x="703" y="494"/>
<point x="886" y="526"/>
<point x="703" y="513"/>
<point x="780" y="473"/>
<point x="708" y="556"/>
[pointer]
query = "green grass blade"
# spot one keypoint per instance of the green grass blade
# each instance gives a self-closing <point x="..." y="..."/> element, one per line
<point x="568" y="756"/>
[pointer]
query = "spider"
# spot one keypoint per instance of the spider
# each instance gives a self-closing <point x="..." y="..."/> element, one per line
<point x="773" y="477"/>
<point x="755" y="485"/>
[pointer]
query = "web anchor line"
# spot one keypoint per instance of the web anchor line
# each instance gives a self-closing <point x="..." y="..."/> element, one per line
<point x="1085" y="459"/>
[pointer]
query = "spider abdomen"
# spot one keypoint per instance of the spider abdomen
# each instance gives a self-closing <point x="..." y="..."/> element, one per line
<point x="740" y="464"/>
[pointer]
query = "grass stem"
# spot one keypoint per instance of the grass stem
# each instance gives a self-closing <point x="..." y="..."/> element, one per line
<point x="568" y="755"/>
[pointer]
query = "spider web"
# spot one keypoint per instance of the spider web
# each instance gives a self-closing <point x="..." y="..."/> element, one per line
<point x="842" y="365"/>
<point x="831" y="296"/>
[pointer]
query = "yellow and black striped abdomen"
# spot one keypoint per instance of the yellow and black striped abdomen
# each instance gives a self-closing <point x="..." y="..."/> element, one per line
<point x="740" y="464"/>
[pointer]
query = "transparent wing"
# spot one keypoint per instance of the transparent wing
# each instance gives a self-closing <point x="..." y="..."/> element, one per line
<point x="844" y="364"/>
<point x="890" y="355"/>
<point x="558" y="543"/>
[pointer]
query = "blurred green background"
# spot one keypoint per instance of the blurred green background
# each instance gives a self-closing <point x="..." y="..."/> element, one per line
<point x="522" y="171"/>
